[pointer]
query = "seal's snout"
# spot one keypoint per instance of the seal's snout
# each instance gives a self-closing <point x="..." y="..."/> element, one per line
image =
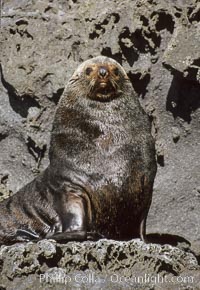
<point x="103" y="72"/>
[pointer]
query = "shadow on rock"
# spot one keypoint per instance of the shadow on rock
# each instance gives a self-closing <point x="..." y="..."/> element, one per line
<point x="183" y="98"/>
<point x="173" y="240"/>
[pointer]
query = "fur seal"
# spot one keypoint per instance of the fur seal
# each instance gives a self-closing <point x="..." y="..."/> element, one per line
<point x="102" y="165"/>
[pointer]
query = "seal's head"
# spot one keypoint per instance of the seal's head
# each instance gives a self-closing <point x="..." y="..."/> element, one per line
<point x="100" y="78"/>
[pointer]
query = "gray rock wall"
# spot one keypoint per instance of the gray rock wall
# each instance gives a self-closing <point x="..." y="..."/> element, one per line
<point x="157" y="42"/>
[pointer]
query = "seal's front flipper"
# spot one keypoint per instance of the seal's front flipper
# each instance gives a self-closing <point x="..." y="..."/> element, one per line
<point x="26" y="235"/>
<point x="20" y="236"/>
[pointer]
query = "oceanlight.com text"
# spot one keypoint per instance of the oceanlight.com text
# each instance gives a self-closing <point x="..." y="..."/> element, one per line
<point x="92" y="278"/>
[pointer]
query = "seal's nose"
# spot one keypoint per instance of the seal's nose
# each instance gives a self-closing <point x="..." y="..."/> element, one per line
<point x="103" y="71"/>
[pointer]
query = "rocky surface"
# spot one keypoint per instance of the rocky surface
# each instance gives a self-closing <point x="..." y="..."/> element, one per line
<point x="157" y="42"/>
<point x="105" y="264"/>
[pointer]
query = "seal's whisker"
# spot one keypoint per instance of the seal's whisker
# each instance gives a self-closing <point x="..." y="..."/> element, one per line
<point x="91" y="85"/>
<point x="114" y="83"/>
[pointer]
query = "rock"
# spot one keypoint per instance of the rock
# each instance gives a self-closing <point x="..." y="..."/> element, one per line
<point x="175" y="134"/>
<point x="104" y="264"/>
<point x="182" y="54"/>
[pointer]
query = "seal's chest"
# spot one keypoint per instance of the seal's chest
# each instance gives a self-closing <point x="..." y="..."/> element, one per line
<point x="105" y="142"/>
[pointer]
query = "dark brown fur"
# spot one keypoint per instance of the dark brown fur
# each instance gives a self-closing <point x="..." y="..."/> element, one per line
<point x="102" y="165"/>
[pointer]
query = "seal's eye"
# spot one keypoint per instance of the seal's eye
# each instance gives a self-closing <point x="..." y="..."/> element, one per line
<point x="116" y="71"/>
<point x="88" y="71"/>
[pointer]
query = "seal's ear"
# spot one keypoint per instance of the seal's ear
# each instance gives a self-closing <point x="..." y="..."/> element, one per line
<point x="77" y="74"/>
<point x="75" y="77"/>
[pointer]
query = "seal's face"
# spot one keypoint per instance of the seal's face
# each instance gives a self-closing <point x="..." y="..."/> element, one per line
<point x="102" y="78"/>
